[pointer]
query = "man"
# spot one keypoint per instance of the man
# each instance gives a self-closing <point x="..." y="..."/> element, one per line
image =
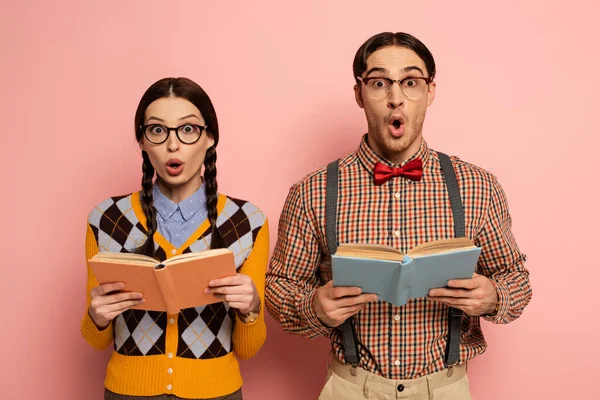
<point x="395" y="190"/>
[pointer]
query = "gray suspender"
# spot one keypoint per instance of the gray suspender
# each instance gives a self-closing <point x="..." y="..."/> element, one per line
<point x="348" y="333"/>
<point x="350" y="342"/>
<point x="458" y="214"/>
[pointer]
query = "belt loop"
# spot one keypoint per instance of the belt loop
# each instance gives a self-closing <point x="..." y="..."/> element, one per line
<point x="429" y="388"/>
<point x="367" y="387"/>
<point x="450" y="371"/>
<point x="353" y="369"/>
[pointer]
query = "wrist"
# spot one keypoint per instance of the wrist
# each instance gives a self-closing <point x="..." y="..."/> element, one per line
<point x="249" y="315"/>
<point x="318" y="310"/>
<point x="101" y="325"/>
<point x="254" y="307"/>
<point x="492" y="311"/>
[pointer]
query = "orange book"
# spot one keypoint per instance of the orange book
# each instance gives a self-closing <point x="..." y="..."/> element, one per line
<point x="171" y="285"/>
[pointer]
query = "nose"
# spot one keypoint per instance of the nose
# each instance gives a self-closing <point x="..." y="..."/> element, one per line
<point x="172" y="142"/>
<point x="395" y="97"/>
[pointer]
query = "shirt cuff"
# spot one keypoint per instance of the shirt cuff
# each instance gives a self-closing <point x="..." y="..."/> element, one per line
<point x="308" y="313"/>
<point x="503" y="305"/>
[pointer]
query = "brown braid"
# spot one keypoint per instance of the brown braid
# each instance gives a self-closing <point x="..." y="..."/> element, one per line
<point x="212" y="196"/>
<point x="148" y="206"/>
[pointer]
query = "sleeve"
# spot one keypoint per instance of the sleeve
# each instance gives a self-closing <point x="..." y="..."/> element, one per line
<point x="501" y="260"/>
<point x="249" y="338"/>
<point x="98" y="338"/>
<point x="293" y="280"/>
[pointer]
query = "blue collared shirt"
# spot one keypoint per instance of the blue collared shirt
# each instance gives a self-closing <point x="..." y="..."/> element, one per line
<point x="177" y="221"/>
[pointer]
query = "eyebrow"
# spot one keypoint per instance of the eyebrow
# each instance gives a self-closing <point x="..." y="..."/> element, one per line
<point x="405" y="69"/>
<point x="190" y="115"/>
<point x="156" y="118"/>
<point x="162" y="120"/>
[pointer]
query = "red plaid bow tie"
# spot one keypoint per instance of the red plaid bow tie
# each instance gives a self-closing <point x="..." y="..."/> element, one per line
<point x="412" y="170"/>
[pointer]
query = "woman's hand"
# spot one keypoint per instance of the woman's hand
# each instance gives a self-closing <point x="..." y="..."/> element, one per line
<point x="237" y="291"/>
<point x="106" y="305"/>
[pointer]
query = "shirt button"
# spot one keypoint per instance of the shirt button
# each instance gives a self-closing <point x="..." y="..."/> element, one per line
<point x="397" y="317"/>
<point x="170" y="355"/>
<point x="397" y="362"/>
<point x="397" y="195"/>
<point x="397" y="233"/>
<point x="170" y="371"/>
<point x="169" y="387"/>
<point x="173" y="251"/>
<point x="172" y="321"/>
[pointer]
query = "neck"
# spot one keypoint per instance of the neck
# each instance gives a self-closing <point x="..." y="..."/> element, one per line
<point x="179" y="193"/>
<point x="399" y="156"/>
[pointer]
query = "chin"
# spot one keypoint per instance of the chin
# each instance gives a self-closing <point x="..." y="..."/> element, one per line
<point x="174" y="181"/>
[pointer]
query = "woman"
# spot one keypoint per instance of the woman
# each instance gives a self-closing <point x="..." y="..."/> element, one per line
<point x="190" y="354"/>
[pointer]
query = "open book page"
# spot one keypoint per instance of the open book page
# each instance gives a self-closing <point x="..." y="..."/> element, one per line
<point x="368" y="250"/>
<point x="196" y="255"/>
<point x="126" y="258"/>
<point x="441" y="246"/>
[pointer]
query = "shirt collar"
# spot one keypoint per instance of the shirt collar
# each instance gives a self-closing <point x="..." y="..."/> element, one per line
<point x="187" y="208"/>
<point x="368" y="157"/>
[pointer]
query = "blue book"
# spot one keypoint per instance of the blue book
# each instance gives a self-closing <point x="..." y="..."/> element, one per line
<point x="396" y="277"/>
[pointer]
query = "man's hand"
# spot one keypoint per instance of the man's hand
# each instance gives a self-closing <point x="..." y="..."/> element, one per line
<point x="476" y="296"/>
<point x="334" y="305"/>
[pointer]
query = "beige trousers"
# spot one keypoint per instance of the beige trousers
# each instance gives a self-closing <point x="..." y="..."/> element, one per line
<point x="345" y="383"/>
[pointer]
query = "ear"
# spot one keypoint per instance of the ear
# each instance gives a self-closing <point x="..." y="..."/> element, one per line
<point x="210" y="142"/>
<point x="142" y="145"/>
<point x="358" y="96"/>
<point x="431" y="93"/>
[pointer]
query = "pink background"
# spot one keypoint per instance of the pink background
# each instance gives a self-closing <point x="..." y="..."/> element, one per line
<point x="517" y="94"/>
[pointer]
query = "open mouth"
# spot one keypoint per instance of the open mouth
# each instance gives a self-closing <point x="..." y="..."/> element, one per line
<point x="396" y="126"/>
<point x="174" y="167"/>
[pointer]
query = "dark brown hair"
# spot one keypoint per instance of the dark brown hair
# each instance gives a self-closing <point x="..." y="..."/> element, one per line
<point x="191" y="91"/>
<point x="385" y="39"/>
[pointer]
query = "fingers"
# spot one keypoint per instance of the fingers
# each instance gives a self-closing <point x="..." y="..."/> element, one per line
<point x="239" y="305"/>
<point x="115" y="298"/>
<point x="235" y="298"/>
<point x="470" y="284"/>
<point x="347" y="312"/>
<point x="241" y="302"/>
<point x="343" y="291"/>
<point x="355" y="300"/>
<point x="111" y="311"/>
<point x="103" y="313"/>
<point x="333" y="305"/>
<point x="234" y="280"/>
<point x="455" y="302"/>
<point x="458" y="293"/>
<point x="106" y="288"/>
<point x="118" y="308"/>
<point x="242" y="289"/>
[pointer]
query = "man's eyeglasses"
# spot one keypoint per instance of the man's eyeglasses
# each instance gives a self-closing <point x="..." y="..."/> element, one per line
<point x="412" y="87"/>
